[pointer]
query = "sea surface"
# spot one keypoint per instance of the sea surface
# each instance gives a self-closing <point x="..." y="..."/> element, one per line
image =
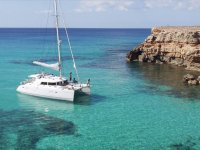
<point x="133" y="106"/>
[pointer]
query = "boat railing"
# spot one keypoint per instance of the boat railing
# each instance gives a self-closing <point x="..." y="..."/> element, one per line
<point x="27" y="81"/>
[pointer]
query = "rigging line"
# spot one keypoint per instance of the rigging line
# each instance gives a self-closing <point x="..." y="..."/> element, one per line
<point x="69" y="43"/>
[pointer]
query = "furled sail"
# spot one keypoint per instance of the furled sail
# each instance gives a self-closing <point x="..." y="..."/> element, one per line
<point x="50" y="66"/>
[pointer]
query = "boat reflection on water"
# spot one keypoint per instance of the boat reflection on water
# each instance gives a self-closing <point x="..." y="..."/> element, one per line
<point x="44" y="105"/>
<point x="83" y="99"/>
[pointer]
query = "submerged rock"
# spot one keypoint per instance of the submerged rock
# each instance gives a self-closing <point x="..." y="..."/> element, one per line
<point x="174" y="45"/>
<point x="30" y="127"/>
<point x="193" y="82"/>
<point x="190" y="79"/>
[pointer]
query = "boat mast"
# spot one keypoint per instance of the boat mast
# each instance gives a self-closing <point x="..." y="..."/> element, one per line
<point x="58" y="38"/>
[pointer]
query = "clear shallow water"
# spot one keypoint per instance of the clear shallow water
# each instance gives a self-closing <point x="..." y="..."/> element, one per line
<point x="132" y="106"/>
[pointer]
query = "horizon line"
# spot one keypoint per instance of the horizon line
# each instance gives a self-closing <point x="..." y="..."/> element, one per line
<point x="76" y="28"/>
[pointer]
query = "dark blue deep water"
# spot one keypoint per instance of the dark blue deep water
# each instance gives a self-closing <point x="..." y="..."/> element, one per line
<point x="133" y="106"/>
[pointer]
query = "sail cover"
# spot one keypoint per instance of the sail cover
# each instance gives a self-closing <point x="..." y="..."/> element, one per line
<point x="54" y="66"/>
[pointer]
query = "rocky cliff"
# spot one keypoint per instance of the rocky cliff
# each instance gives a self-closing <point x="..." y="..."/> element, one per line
<point x="174" y="45"/>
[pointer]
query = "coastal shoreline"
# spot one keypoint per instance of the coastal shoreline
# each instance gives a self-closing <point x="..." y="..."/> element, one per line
<point x="177" y="45"/>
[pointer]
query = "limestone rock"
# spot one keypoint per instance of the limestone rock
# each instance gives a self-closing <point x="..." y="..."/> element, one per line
<point x="175" y="45"/>
<point x="193" y="82"/>
<point x="188" y="77"/>
<point x="198" y="78"/>
<point x="133" y="55"/>
<point x="142" y="57"/>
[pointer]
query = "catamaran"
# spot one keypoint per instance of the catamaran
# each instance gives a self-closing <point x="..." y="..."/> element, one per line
<point x="55" y="86"/>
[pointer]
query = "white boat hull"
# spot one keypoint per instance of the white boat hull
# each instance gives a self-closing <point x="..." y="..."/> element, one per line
<point x="47" y="92"/>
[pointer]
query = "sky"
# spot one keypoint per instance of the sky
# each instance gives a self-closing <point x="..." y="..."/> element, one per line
<point x="101" y="13"/>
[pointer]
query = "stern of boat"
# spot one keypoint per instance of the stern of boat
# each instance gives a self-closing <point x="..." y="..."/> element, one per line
<point x="84" y="90"/>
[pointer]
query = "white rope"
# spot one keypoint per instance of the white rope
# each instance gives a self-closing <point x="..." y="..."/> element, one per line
<point x="66" y="32"/>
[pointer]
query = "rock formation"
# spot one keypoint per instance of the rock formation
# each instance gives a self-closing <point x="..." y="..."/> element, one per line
<point x="191" y="79"/>
<point x="174" y="45"/>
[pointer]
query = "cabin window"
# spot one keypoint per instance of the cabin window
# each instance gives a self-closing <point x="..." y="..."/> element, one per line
<point x="44" y="83"/>
<point x="59" y="83"/>
<point x="51" y="83"/>
<point x="65" y="82"/>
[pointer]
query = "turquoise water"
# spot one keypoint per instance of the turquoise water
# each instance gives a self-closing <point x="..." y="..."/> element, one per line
<point x="133" y="106"/>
